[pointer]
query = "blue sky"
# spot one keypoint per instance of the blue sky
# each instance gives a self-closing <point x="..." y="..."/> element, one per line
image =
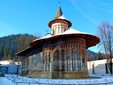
<point x="33" y="16"/>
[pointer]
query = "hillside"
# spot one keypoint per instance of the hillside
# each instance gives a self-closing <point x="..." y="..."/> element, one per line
<point x="95" y="55"/>
<point x="11" y="44"/>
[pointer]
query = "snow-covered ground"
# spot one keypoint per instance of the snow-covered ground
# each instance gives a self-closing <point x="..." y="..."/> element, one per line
<point x="92" y="80"/>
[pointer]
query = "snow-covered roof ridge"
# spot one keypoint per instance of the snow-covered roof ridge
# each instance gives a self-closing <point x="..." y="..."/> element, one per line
<point x="69" y="31"/>
<point x="48" y="35"/>
<point x="73" y="31"/>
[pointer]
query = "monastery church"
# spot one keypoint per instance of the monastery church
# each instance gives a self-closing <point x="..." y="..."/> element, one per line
<point x="59" y="54"/>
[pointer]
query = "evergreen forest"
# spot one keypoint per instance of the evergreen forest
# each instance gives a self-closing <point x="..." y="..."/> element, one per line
<point x="11" y="44"/>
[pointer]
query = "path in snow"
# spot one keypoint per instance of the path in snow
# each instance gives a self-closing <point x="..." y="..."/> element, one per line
<point x="5" y="81"/>
<point x="14" y="80"/>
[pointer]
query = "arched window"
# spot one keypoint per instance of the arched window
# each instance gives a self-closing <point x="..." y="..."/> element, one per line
<point x="68" y="59"/>
<point x="83" y="56"/>
<point x="68" y="53"/>
<point x="62" y="30"/>
<point x="46" y="61"/>
<point x="76" y="53"/>
<point x="73" y="54"/>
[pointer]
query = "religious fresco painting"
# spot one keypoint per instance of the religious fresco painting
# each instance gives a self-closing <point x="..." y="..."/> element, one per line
<point x="59" y="54"/>
<point x="35" y="62"/>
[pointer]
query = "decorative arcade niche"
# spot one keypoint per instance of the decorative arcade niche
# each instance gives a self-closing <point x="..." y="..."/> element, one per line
<point x="46" y="60"/>
<point x="35" y="63"/>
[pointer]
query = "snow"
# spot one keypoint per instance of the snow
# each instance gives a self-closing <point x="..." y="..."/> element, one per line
<point x="62" y="17"/>
<point x="19" y="80"/>
<point x="5" y="81"/>
<point x="44" y="37"/>
<point x="5" y="62"/>
<point x="73" y="31"/>
<point x="69" y="31"/>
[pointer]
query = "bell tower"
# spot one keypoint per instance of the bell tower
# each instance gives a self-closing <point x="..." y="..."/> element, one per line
<point x="59" y="24"/>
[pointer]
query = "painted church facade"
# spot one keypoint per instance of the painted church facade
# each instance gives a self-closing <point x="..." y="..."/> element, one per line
<point x="59" y="54"/>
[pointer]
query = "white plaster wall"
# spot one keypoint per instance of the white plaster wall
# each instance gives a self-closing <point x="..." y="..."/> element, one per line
<point x="99" y="66"/>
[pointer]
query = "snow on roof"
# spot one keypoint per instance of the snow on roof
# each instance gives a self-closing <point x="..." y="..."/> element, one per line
<point x="62" y="17"/>
<point x="69" y="31"/>
<point x="44" y="37"/>
<point x="47" y="36"/>
<point x="73" y="31"/>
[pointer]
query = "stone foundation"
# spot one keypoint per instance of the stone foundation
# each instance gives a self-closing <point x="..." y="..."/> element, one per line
<point x="57" y="74"/>
<point x="75" y="74"/>
<point x="39" y="74"/>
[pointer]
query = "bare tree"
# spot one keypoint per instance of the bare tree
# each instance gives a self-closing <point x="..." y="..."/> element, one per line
<point x="106" y="36"/>
<point x="100" y="57"/>
<point x="24" y="41"/>
<point x="90" y="57"/>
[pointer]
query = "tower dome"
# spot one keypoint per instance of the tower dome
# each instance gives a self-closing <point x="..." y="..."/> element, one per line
<point x="59" y="24"/>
